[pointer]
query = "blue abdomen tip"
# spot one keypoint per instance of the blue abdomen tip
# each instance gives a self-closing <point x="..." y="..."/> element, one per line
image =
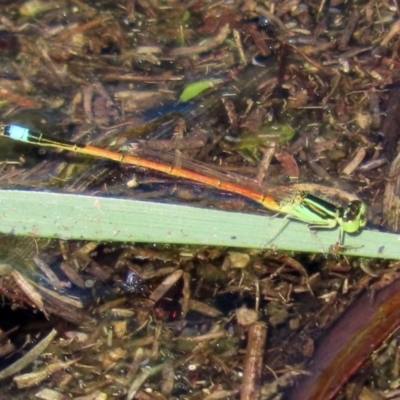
<point x="18" y="133"/>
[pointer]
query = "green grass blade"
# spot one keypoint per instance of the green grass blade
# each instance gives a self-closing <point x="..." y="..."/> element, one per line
<point x="68" y="216"/>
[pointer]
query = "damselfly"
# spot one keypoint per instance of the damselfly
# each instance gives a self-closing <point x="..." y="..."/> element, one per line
<point x="300" y="205"/>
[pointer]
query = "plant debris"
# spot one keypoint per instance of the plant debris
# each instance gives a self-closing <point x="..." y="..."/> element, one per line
<point x="274" y="92"/>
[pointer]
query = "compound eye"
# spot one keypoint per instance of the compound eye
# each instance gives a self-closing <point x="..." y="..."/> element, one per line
<point x="363" y="215"/>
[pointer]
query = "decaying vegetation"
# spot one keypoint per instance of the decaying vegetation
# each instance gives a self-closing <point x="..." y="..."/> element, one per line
<point x="288" y="90"/>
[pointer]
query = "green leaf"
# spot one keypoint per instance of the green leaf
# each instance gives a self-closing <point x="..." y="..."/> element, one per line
<point x="69" y="216"/>
<point x="194" y="89"/>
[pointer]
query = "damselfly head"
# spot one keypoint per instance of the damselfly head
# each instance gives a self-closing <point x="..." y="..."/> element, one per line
<point x="354" y="216"/>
